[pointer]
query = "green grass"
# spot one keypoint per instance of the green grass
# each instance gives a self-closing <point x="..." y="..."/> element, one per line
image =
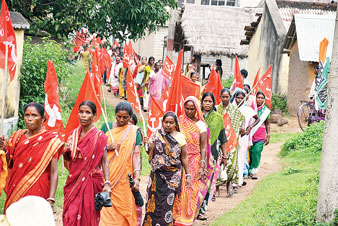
<point x="285" y="198"/>
<point x="280" y="137"/>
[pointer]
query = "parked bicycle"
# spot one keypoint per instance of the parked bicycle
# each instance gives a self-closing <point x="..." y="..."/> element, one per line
<point x="307" y="114"/>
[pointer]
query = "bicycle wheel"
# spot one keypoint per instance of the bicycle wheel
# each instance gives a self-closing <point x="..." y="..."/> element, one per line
<point x="305" y="114"/>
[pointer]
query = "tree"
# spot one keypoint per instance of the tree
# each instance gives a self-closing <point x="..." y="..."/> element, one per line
<point x="120" y="19"/>
<point x="328" y="181"/>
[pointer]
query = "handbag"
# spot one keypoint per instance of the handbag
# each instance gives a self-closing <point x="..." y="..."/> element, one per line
<point x="102" y="199"/>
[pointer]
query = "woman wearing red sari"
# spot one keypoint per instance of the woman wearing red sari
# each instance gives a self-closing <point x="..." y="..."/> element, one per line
<point x="88" y="169"/>
<point x="32" y="156"/>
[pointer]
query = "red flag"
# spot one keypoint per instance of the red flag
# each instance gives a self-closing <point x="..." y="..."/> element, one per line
<point x="155" y="117"/>
<point x="52" y="103"/>
<point x="238" y="76"/>
<point x="190" y="88"/>
<point x="96" y="69"/>
<point x="264" y="85"/>
<point x="132" y="94"/>
<point x="7" y="36"/>
<point x="255" y="83"/>
<point x="230" y="133"/>
<point x="126" y="56"/>
<point x="105" y="61"/>
<point x="164" y="98"/>
<point x="175" y="101"/>
<point x="214" y="85"/>
<point x="116" y="43"/>
<point x="87" y="92"/>
<point x="168" y="68"/>
<point x="137" y="61"/>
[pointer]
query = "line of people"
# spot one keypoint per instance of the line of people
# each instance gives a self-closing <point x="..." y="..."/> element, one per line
<point x="185" y="156"/>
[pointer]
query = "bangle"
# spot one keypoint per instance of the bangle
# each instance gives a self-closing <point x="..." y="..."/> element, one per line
<point x="106" y="182"/>
<point x="188" y="175"/>
<point x="135" y="170"/>
<point x="51" y="199"/>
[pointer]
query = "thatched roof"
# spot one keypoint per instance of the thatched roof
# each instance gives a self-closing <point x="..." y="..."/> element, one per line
<point x="216" y="30"/>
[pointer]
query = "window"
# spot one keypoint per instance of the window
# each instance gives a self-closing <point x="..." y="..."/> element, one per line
<point x="190" y="1"/>
<point x="213" y="2"/>
<point x="231" y="2"/>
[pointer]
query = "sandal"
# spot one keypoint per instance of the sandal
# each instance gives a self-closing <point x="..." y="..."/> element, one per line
<point x="253" y="177"/>
<point x="201" y="217"/>
<point x="213" y="198"/>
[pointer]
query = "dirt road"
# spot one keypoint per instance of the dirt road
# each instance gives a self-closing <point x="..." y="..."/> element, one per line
<point x="270" y="164"/>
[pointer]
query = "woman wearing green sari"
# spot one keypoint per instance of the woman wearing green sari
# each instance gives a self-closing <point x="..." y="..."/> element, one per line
<point x="237" y="121"/>
<point x="261" y="134"/>
<point x="217" y="140"/>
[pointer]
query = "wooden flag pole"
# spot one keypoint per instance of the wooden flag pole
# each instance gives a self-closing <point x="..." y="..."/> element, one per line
<point x="4" y="91"/>
<point x="110" y="134"/>
<point x="104" y="99"/>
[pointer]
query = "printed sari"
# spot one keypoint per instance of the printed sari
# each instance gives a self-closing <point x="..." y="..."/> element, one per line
<point x="187" y="205"/>
<point x="258" y="139"/>
<point x="236" y="118"/>
<point x="123" y="211"/>
<point x="85" y="177"/>
<point x="165" y="179"/>
<point x="217" y="137"/>
<point x="29" y="164"/>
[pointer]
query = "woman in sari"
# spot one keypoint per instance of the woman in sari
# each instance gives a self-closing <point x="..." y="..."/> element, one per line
<point x="148" y="69"/>
<point x="167" y="155"/>
<point x="217" y="141"/>
<point x="237" y="121"/>
<point x="139" y="78"/>
<point x="250" y="120"/>
<point x="261" y="134"/>
<point x="32" y="157"/>
<point x="127" y="144"/>
<point x="88" y="170"/>
<point x="192" y="125"/>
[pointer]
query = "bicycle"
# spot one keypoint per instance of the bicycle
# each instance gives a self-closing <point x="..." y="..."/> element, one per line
<point x="307" y="114"/>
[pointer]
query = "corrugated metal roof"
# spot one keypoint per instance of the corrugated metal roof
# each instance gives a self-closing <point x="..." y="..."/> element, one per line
<point x="288" y="13"/>
<point x="310" y="30"/>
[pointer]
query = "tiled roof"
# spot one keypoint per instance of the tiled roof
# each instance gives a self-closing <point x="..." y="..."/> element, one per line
<point x="18" y="21"/>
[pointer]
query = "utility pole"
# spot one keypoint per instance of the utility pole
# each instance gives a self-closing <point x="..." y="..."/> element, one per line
<point x="328" y="181"/>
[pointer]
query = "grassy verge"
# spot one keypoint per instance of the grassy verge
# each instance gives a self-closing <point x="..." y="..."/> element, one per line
<point x="290" y="196"/>
<point x="285" y="198"/>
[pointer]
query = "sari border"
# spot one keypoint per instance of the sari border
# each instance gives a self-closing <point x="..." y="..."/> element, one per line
<point x="30" y="179"/>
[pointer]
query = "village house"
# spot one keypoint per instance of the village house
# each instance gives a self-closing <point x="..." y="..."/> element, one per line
<point x="205" y="28"/>
<point x="266" y="35"/>
<point x="20" y="24"/>
<point x="302" y="44"/>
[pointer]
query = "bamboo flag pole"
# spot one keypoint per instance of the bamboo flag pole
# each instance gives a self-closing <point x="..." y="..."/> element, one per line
<point x="110" y="134"/>
<point x="4" y="91"/>
<point x="104" y="99"/>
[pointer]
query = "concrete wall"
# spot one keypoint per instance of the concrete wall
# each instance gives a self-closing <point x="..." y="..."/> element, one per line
<point x="265" y="47"/>
<point x="13" y="88"/>
<point x="152" y="44"/>
<point x="300" y="80"/>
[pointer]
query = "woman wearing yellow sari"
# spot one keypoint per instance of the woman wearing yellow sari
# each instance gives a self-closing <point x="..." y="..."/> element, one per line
<point x="194" y="128"/>
<point x="127" y="142"/>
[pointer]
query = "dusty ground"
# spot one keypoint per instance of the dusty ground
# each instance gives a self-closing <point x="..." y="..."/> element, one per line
<point x="269" y="164"/>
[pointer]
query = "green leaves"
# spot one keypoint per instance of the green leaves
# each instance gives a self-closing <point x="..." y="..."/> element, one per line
<point x="121" y="19"/>
<point x="309" y="141"/>
<point x="34" y="69"/>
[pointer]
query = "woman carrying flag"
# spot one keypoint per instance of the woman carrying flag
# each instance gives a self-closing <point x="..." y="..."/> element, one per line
<point x="197" y="134"/>
<point x="167" y="155"/>
<point x="127" y="143"/>
<point x="261" y="134"/>
<point x="32" y="156"/>
<point x="88" y="170"/>
<point x="237" y="121"/>
<point x="217" y="141"/>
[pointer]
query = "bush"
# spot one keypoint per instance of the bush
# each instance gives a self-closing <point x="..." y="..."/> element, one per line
<point x="310" y="140"/>
<point x="228" y="82"/>
<point x="34" y="69"/>
<point x="279" y="102"/>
